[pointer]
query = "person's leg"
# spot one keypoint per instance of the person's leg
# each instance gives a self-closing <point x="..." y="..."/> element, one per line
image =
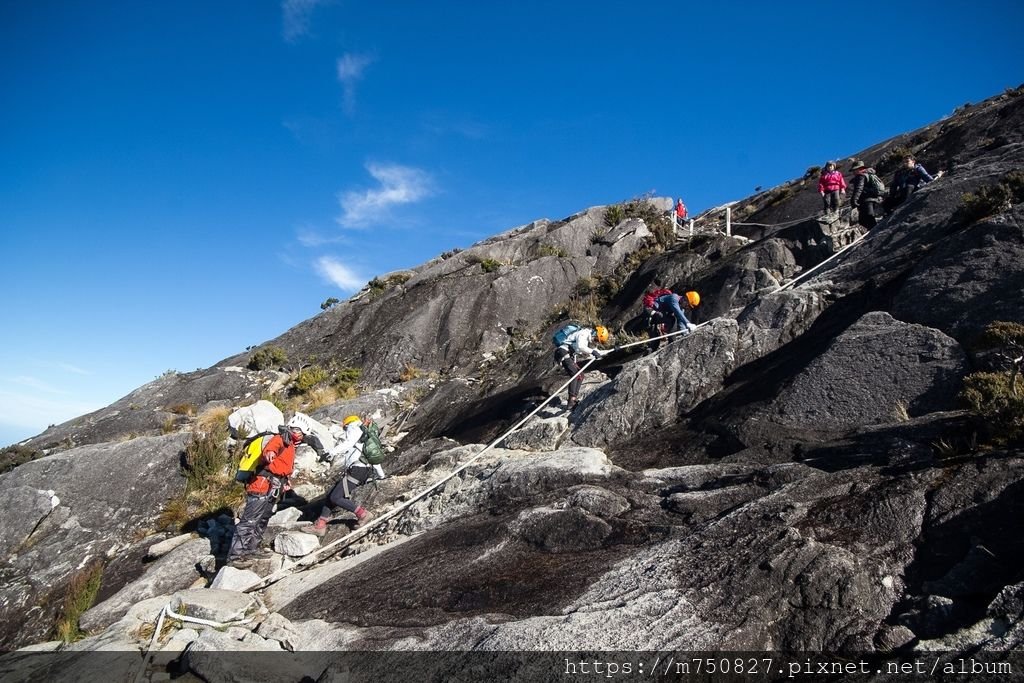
<point x="247" y="531"/>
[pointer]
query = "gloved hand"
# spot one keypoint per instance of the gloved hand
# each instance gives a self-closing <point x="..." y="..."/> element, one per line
<point x="691" y="327"/>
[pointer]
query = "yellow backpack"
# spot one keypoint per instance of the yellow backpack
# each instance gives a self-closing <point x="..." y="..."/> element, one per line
<point x="251" y="452"/>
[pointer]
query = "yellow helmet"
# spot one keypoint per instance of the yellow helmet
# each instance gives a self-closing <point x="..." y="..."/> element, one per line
<point x="693" y="298"/>
<point x="602" y="334"/>
<point x="350" y="419"/>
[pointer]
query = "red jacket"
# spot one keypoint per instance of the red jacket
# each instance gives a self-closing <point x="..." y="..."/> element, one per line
<point x="681" y="210"/>
<point x="278" y="459"/>
<point x="831" y="181"/>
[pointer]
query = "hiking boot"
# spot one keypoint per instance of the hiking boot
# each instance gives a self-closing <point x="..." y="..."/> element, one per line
<point x="317" y="528"/>
<point x="571" y="405"/>
<point x="362" y="517"/>
<point x="241" y="562"/>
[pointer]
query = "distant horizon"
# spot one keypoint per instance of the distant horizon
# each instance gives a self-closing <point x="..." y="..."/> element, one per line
<point x="187" y="181"/>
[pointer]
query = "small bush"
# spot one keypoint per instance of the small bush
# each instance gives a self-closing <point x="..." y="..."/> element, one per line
<point x="409" y="373"/>
<point x="169" y="426"/>
<point x="613" y="215"/>
<point x="328" y="302"/>
<point x="448" y="254"/>
<point x="892" y="159"/>
<point x="1001" y="410"/>
<point x="205" y="457"/>
<point x="213" y="421"/>
<point x="812" y="171"/>
<point x="489" y="265"/>
<point x="267" y="357"/>
<point x="12" y="456"/>
<point x="80" y="594"/>
<point x="378" y="286"/>
<point x="308" y="378"/>
<point x="551" y="250"/>
<point x="186" y="409"/>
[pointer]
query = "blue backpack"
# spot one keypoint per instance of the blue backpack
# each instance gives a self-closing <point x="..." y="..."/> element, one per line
<point x="559" y="338"/>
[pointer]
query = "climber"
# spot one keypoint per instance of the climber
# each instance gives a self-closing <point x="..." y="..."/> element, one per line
<point x="680" y="212"/>
<point x="830" y="185"/>
<point x="866" y="193"/>
<point x="273" y="468"/>
<point x="907" y="179"/>
<point x="575" y="347"/>
<point x="655" y="319"/>
<point x="670" y="307"/>
<point x="357" y="471"/>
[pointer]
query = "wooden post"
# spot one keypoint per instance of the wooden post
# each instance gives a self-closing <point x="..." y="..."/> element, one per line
<point x="691" y="227"/>
<point x="728" y="221"/>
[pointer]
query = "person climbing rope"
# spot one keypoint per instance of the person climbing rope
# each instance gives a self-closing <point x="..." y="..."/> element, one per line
<point x="572" y="344"/>
<point x="357" y="471"/>
<point x="654" y="320"/>
<point x="866" y="194"/>
<point x="670" y="309"/>
<point x="907" y="180"/>
<point x="275" y="465"/>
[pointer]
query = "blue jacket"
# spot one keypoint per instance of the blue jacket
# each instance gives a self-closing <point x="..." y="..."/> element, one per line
<point x="670" y="302"/>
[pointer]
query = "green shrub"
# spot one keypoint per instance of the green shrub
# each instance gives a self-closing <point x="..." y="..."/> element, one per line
<point x="489" y="265"/>
<point x="892" y="159"/>
<point x="613" y="215"/>
<point x="812" y="171"/>
<point x="328" y="302"/>
<point x="551" y="250"/>
<point x="81" y="593"/>
<point x="308" y="378"/>
<point x="991" y="199"/>
<point x="378" y="286"/>
<point x="448" y="254"/>
<point x="999" y="407"/>
<point x="267" y="357"/>
<point x="206" y="456"/>
<point x="12" y="456"/>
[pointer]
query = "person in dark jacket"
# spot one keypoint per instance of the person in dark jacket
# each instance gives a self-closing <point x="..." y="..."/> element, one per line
<point x="868" y="204"/>
<point x="908" y="178"/>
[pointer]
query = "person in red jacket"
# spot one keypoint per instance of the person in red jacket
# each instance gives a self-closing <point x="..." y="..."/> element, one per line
<point x="830" y="185"/>
<point x="272" y="471"/>
<point x="680" y="212"/>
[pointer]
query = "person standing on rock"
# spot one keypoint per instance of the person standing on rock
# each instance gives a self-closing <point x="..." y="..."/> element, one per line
<point x="680" y="213"/>
<point x="356" y="473"/>
<point x="276" y="463"/>
<point x="866" y="191"/>
<point x="830" y="185"/>
<point x="576" y="347"/>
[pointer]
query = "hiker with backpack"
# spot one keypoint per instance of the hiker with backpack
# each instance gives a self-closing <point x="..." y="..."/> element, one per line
<point x="866" y="194"/>
<point x="572" y="344"/>
<point x="830" y="185"/>
<point x="362" y="454"/>
<point x="908" y="178"/>
<point x="271" y="471"/>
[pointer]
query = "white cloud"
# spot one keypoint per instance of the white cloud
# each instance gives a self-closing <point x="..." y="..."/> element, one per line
<point x="68" y="367"/>
<point x="29" y="411"/>
<point x="296" y="17"/>
<point x="350" y="71"/>
<point x="398" y="185"/>
<point x="37" y="384"/>
<point x="338" y="273"/>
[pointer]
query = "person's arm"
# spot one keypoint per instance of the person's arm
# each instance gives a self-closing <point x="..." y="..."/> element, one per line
<point x="821" y="184"/>
<point x="924" y="175"/>
<point x="684" y="323"/>
<point x="842" y="183"/>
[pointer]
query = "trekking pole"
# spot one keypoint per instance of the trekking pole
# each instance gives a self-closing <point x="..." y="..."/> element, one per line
<point x="353" y="536"/>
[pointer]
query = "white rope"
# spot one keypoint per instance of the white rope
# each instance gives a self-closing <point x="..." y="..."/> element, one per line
<point x="835" y="255"/>
<point x="166" y="611"/>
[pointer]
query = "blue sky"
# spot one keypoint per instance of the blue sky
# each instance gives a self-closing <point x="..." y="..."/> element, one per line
<point x="181" y="180"/>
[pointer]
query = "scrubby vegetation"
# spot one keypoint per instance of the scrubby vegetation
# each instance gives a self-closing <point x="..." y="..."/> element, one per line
<point x="12" y="456"/>
<point x="991" y="199"/>
<point x="380" y="285"/>
<point x="79" y="596"/>
<point x="997" y="397"/>
<point x="267" y="357"/>
<point x="544" y="249"/>
<point x="328" y="302"/>
<point x="210" y="487"/>
<point x="892" y="159"/>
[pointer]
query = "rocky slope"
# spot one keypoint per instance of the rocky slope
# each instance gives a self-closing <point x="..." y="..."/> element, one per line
<point x="797" y="474"/>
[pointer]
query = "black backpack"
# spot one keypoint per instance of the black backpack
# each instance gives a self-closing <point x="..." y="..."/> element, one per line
<point x="873" y="186"/>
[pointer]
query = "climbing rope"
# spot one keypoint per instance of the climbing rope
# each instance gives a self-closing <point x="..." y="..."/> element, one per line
<point x="353" y="536"/>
